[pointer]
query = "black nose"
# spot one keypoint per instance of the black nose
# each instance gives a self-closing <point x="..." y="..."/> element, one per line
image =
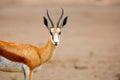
<point x="56" y="43"/>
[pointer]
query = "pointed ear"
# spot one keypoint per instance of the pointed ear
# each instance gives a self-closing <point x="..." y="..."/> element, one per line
<point x="64" y="21"/>
<point x="45" y="22"/>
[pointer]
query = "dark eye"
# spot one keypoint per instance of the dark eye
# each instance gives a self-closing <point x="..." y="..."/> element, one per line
<point x="59" y="33"/>
<point x="51" y="33"/>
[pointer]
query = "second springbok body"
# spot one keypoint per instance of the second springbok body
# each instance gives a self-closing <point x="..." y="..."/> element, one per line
<point x="27" y="58"/>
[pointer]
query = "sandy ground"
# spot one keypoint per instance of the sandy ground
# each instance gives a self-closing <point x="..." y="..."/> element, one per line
<point x="90" y="42"/>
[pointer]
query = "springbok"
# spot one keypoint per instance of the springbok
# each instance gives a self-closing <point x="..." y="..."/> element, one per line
<point x="26" y="57"/>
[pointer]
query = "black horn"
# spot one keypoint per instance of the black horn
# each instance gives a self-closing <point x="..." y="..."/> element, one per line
<point x="60" y="17"/>
<point x="50" y="19"/>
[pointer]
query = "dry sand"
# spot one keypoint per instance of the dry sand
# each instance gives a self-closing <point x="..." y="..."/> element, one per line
<point x="90" y="42"/>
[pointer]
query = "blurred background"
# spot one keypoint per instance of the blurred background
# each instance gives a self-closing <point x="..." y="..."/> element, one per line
<point x="90" y="42"/>
<point x="57" y="2"/>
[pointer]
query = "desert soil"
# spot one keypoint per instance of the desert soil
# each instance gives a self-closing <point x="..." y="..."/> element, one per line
<point x="90" y="42"/>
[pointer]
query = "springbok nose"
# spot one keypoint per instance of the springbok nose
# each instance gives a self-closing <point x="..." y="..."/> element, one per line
<point x="56" y="43"/>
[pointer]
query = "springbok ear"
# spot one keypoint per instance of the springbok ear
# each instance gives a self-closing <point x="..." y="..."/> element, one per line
<point x="45" y="22"/>
<point x="64" y="21"/>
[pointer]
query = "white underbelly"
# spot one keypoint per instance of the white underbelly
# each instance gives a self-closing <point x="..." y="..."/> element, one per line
<point x="9" y="66"/>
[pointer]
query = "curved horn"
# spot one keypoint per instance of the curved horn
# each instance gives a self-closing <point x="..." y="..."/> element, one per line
<point x="50" y="19"/>
<point x="60" y="17"/>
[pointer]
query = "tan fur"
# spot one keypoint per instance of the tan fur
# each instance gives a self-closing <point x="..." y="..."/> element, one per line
<point x="55" y="30"/>
<point x="27" y="54"/>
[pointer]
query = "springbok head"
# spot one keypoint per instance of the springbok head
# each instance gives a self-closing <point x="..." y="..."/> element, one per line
<point x="55" y="31"/>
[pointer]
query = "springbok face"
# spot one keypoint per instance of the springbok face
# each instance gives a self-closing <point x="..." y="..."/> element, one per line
<point x="55" y="31"/>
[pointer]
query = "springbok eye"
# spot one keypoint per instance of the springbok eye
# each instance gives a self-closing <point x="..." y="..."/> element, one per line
<point x="59" y="33"/>
<point x="50" y="32"/>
